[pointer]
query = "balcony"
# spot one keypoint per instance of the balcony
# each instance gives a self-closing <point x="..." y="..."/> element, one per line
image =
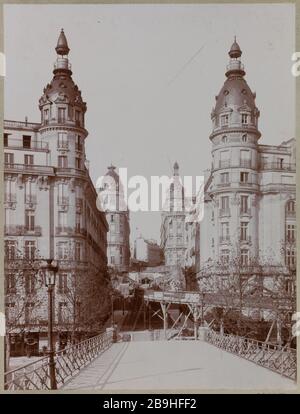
<point x="78" y="147"/>
<point x="245" y="239"/>
<point x="224" y="239"/>
<point x="224" y="212"/>
<point x="245" y="212"/>
<point x="245" y="163"/>
<point x="30" y="199"/>
<point x="17" y="230"/>
<point x="15" y="143"/>
<point x="227" y="184"/>
<point x="63" y="145"/>
<point x="224" y="163"/>
<point x="10" y="198"/>
<point x="28" y="169"/>
<point x="278" y="166"/>
<point x="63" y="230"/>
<point x="63" y="201"/>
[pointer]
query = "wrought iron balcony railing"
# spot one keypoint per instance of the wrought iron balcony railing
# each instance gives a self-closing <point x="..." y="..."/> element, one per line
<point x="68" y="362"/>
<point x="283" y="361"/>
<point x="19" y="144"/>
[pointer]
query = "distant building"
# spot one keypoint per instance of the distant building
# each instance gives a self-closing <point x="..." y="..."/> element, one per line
<point x="117" y="215"/>
<point x="50" y="212"/>
<point x="148" y="252"/>
<point x="172" y="231"/>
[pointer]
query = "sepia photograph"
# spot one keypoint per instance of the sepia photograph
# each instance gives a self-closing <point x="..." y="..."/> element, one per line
<point x="149" y="198"/>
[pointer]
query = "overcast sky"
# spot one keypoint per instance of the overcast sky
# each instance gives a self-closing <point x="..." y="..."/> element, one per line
<point x="149" y="75"/>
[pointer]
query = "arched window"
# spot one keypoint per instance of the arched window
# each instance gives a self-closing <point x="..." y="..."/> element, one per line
<point x="224" y="139"/>
<point x="290" y="207"/>
<point x="244" y="138"/>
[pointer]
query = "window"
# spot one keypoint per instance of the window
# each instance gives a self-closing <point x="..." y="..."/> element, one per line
<point x="244" y="230"/>
<point x="280" y="163"/>
<point x="225" y="178"/>
<point x="78" y="222"/>
<point x="62" y="141"/>
<point x="225" y="256"/>
<point x="11" y="283"/>
<point x="224" y="139"/>
<point x="244" y="177"/>
<point x="244" y="204"/>
<point x="5" y="140"/>
<point x="224" y="120"/>
<point x="62" y="312"/>
<point x="26" y="141"/>
<point x="224" y="231"/>
<point x="28" y="312"/>
<point x="30" y="249"/>
<point x="77" y="117"/>
<point x="8" y="158"/>
<point x="29" y="220"/>
<point x="46" y="116"/>
<point x="10" y="249"/>
<point x="62" y="194"/>
<point x="111" y="218"/>
<point x="29" y="283"/>
<point x="61" y="115"/>
<point x="62" y="220"/>
<point x="224" y="159"/>
<point x="290" y="257"/>
<point x="78" y="145"/>
<point x="112" y="259"/>
<point x="78" y="251"/>
<point x="29" y="192"/>
<point x="244" y="119"/>
<point x="225" y="203"/>
<point x="77" y="163"/>
<point x="245" y="158"/>
<point x="63" y="283"/>
<point x="244" y="138"/>
<point x="28" y="159"/>
<point x="62" y="161"/>
<point x="244" y="257"/>
<point x="291" y="232"/>
<point x="290" y="206"/>
<point x="62" y="251"/>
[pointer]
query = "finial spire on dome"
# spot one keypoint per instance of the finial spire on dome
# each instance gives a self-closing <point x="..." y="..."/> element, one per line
<point x="62" y="47"/>
<point x="111" y="167"/>
<point x="235" y="50"/>
<point x="176" y="168"/>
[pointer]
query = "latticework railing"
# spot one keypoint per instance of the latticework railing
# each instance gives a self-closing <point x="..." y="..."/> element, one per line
<point x="282" y="360"/>
<point x="36" y="375"/>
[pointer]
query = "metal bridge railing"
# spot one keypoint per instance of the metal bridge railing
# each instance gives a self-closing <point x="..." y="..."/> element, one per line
<point x="271" y="356"/>
<point x="68" y="362"/>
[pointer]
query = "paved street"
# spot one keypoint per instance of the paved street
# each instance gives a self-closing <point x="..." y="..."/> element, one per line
<point x="170" y="365"/>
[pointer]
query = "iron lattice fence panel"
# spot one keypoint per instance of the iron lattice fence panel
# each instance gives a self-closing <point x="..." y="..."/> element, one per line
<point x="280" y="360"/>
<point x="68" y="362"/>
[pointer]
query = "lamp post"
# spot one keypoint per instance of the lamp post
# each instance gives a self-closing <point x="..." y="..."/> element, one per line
<point x="50" y="269"/>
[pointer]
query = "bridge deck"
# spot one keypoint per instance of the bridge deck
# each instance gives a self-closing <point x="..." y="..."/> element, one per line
<point x="170" y="365"/>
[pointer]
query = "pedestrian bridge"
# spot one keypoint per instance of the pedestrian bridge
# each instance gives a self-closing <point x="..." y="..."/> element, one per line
<point x="149" y="361"/>
<point x="170" y="365"/>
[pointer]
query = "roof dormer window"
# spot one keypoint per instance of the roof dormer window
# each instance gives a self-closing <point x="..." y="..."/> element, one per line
<point x="224" y="120"/>
<point x="245" y="118"/>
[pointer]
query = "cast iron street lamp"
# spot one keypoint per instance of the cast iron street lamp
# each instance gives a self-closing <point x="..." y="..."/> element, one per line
<point x="50" y="269"/>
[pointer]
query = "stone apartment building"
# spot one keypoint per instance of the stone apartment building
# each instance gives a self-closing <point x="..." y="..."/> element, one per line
<point x="50" y="212"/>
<point x="250" y="194"/>
<point x="172" y="231"/>
<point x="117" y="215"/>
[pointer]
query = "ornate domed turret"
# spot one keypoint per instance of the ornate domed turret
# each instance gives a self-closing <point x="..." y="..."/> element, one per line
<point x="62" y="92"/>
<point x="62" y="44"/>
<point x="235" y="104"/>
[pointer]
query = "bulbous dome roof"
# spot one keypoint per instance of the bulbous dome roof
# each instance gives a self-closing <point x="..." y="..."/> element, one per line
<point x="62" y="89"/>
<point x="235" y="92"/>
<point x="112" y="173"/>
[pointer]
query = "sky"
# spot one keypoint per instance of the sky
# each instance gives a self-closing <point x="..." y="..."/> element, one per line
<point x="149" y="75"/>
